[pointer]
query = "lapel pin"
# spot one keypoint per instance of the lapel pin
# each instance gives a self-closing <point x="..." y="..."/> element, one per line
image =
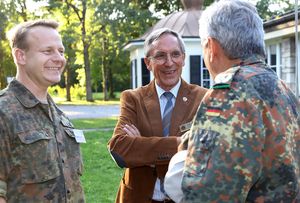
<point x="184" y="99"/>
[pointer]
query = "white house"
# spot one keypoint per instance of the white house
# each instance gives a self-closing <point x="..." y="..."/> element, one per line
<point x="280" y="48"/>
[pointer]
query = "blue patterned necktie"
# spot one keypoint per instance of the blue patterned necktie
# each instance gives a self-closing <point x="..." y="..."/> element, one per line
<point x="166" y="122"/>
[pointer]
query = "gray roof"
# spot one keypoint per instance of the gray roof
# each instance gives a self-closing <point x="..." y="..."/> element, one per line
<point x="284" y="18"/>
<point x="184" y="22"/>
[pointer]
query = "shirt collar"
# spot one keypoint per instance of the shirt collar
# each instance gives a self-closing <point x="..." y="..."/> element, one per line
<point x="174" y="90"/>
<point x="25" y="97"/>
<point x="227" y="75"/>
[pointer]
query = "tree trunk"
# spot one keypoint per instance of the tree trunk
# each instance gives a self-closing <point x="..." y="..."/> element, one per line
<point x="85" y="42"/>
<point x="104" y="71"/>
<point x="2" y="75"/>
<point x="88" y="82"/>
<point x="2" y="82"/>
<point x="89" y="95"/>
<point x="104" y="80"/>
<point x="111" y="86"/>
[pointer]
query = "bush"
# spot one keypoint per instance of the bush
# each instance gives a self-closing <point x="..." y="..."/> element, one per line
<point x="78" y="92"/>
<point x="57" y="91"/>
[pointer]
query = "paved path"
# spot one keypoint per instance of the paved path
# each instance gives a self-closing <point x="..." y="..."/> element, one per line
<point x="90" y="111"/>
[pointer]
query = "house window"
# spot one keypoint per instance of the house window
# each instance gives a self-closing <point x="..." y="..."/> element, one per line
<point x="274" y="57"/>
<point x="205" y="76"/>
<point x="195" y="70"/>
<point x="133" y="73"/>
<point x="198" y="72"/>
<point x="145" y="73"/>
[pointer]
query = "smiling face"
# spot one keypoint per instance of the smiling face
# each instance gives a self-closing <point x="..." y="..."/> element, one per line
<point x="43" y="62"/>
<point x="164" y="61"/>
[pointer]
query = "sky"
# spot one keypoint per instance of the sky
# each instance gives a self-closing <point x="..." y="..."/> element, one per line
<point x="31" y="5"/>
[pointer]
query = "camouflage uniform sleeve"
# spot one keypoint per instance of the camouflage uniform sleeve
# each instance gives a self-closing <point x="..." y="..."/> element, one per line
<point x="3" y="189"/>
<point x="224" y="149"/>
<point x="4" y="154"/>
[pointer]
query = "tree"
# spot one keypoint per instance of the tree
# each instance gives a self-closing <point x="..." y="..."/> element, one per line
<point x="271" y="8"/>
<point x="70" y="52"/>
<point x="80" y="9"/>
<point x="119" y="22"/>
<point x="3" y="24"/>
<point x="9" y="14"/>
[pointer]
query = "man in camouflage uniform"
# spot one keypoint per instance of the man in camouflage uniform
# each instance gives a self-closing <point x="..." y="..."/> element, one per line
<point x="245" y="139"/>
<point x="40" y="158"/>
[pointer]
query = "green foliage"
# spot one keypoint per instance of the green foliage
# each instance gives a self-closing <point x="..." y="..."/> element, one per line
<point x="100" y="96"/>
<point x="57" y="91"/>
<point x="78" y="92"/>
<point x="7" y="67"/>
<point x="118" y="23"/>
<point x="207" y="2"/>
<point x="268" y="9"/>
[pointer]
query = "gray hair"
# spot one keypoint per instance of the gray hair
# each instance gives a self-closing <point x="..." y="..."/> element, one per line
<point x="236" y="25"/>
<point x="17" y="35"/>
<point x="155" y="35"/>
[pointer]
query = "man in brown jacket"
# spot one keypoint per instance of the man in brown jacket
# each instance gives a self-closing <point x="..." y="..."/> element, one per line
<point x="143" y="141"/>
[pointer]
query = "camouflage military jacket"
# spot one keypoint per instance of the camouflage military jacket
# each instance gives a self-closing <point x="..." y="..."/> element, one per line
<point x="245" y="140"/>
<point x="40" y="160"/>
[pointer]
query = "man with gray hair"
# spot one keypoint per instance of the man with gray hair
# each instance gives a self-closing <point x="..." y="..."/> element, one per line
<point x="152" y="119"/>
<point x="245" y="140"/>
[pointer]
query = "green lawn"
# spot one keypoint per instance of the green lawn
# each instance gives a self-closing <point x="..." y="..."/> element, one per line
<point x="98" y="100"/>
<point x="101" y="175"/>
<point x="95" y="123"/>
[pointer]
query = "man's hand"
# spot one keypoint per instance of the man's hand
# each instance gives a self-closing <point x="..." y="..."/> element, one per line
<point x="131" y="130"/>
<point x="2" y="200"/>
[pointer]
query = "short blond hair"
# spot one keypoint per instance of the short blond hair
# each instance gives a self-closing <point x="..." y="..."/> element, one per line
<point x="17" y="35"/>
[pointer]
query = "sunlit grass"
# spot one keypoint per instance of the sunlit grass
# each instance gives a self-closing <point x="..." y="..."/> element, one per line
<point x="95" y="123"/>
<point x="98" y="100"/>
<point x="62" y="101"/>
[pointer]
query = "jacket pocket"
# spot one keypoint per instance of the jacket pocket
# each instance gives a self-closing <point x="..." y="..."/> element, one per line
<point x="38" y="156"/>
<point x="73" y="146"/>
<point x="126" y="192"/>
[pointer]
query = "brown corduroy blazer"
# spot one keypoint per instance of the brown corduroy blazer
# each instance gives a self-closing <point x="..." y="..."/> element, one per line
<point x="146" y="158"/>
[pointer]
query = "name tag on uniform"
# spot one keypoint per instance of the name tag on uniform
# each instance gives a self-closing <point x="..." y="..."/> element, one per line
<point x="79" y="136"/>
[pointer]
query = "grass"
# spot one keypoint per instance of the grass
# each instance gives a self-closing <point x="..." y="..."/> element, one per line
<point x="98" y="100"/>
<point x="95" y="123"/>
<point x="101" y="176"/>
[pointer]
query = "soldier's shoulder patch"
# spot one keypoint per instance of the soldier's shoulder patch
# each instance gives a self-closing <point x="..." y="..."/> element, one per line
<point x="221" y="86"/>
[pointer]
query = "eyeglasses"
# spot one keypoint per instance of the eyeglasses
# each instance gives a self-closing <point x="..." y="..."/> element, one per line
<point x="162" y="57"/>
